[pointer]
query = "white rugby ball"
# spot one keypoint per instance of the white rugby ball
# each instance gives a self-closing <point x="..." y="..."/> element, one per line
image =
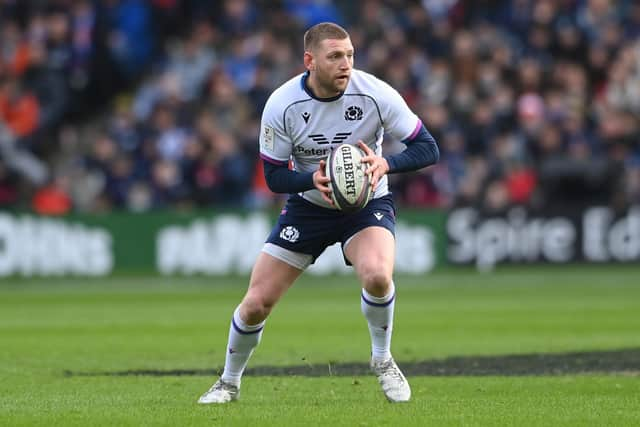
<point x="350" y="186"/>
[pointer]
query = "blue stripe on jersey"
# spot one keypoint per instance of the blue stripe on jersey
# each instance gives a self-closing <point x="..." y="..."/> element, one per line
<point x="273" y="161"/>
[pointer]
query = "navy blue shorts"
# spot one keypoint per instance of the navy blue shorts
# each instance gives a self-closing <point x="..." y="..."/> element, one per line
<point x="309" y="229"/>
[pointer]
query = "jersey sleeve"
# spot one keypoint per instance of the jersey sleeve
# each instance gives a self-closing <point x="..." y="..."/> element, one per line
<point x="275" y="144"/>
<point x="398" y="119"/>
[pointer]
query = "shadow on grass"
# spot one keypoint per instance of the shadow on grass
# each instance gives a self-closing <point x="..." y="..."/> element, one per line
<point x="616" y="361"/>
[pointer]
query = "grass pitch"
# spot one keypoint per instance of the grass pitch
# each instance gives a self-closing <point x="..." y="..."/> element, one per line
<point x="140" y="350"/>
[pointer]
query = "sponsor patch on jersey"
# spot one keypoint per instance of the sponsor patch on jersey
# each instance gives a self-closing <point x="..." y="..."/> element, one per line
<point x="267" y="138"/>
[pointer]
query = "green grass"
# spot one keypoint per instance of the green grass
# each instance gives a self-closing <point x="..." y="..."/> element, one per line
<point x="49" y="326"/>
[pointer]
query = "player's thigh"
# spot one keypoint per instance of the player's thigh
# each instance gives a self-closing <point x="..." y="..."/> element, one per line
<point x="270" y="279"/>
<point x="372" y="253"/>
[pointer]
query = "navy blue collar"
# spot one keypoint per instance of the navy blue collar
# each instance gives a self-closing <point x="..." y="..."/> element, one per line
<point x="305" y="87"/>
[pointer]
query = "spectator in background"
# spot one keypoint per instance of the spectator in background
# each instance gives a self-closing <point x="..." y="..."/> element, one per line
<point x="223" y="174"/>
<point x="168" y="186"/>
<point x="8" y="186"/>
<point x="525" y="96"/>
<point x="311" y="12"/>
<point x="87" y="66"/>
<point x="14" y="51"/>
<point x="260" y="90"/>
<point x="19" y="108"/>
<point x="129" y="36"/>
<point x="237" y="18"/>
<point x="169" y="137"/>
<point x="53" y="198"/>
<point x="50" y="89"/>
<point x="192" y="62"/>
<point x="225" y="102"/>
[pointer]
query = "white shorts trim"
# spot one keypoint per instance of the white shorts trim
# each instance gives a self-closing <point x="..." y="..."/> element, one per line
<point x="295" y="259"/>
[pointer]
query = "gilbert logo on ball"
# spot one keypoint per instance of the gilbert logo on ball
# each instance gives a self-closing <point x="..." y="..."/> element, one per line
<point x="350" y="189"/>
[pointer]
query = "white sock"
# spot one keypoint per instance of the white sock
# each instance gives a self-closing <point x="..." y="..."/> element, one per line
<point x="243" y="339"/>
<point x="379" y="314"/>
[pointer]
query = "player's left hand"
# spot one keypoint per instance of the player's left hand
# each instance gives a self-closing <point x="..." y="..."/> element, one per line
<point x="321" y="182"/>
<point x="378" y="165"/>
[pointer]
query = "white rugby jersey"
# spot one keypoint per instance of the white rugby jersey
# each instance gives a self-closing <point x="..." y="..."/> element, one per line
<point x="299" y="127"/>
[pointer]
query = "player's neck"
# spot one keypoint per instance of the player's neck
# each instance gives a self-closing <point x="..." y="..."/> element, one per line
<point x="317" y="90"/>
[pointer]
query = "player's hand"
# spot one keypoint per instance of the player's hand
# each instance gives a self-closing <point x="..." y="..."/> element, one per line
<point x="321" y="182"/>
<point x="378" y="165"/>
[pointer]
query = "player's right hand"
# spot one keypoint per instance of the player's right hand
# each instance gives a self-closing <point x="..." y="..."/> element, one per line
<point x="321" y="182"/>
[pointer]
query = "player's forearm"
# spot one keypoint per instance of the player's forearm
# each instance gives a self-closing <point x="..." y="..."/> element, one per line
<point x="421" y="152"/>
<point x="282" y="180"/>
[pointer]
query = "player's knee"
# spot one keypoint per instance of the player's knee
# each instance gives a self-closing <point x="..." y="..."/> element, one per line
<point x="255" y="309"/>
<point x="376" y="280"/>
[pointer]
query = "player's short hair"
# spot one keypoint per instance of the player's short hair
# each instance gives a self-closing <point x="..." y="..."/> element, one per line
<point x="323" y="31"/>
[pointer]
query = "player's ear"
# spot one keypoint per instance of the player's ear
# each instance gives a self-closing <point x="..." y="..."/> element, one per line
<point x="309" y="62"/>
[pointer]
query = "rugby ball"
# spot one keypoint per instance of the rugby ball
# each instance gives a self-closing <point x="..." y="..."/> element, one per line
<point x="350" y="186"/>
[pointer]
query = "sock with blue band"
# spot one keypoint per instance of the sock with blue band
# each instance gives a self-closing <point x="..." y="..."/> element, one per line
<point x="379" y="314"/>
<point x="243" y="339"/>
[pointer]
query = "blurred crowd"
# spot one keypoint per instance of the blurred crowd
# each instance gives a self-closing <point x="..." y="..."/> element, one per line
<point x="140" y="105"/>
